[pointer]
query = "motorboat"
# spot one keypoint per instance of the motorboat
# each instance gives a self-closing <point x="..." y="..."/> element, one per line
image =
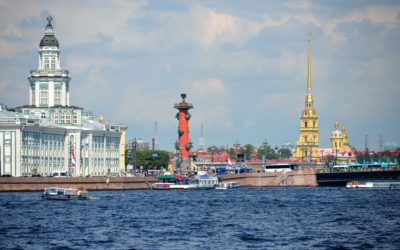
<point x="200" y="181"/>
<point x="55" y="193"/>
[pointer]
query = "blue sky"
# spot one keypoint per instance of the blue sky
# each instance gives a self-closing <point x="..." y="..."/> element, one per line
<point x="243" y="65"/>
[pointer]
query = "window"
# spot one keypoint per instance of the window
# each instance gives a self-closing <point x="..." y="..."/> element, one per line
<point x="43" y="97"/>
<point x="46" y="63"/>
<point x="305" y="124"/>
<point x="68" y="118"/>
<point x="53" y="63"/>
<point x="74" y="118"/>
<point x="57" y="95"/>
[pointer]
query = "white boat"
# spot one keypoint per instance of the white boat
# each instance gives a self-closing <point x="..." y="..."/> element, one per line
<point x="228" y="185"/>
<point x="54" y="193"/>
<point x="386" y="184"/>
<point x="200" y="181"/>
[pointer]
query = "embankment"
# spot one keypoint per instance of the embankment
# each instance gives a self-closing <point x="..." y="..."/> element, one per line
<point x="87" y="183"/>
<point x="299" y="178"/>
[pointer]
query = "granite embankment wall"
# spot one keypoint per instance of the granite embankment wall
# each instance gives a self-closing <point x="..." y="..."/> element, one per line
<point x="299" y="178"/>
<point x="87" y="183"/>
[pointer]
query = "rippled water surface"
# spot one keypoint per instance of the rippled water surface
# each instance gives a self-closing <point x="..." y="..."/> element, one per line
<point x="264" y="218"/>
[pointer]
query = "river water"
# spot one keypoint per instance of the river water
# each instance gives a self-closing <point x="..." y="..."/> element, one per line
<point x="245" y="218"/>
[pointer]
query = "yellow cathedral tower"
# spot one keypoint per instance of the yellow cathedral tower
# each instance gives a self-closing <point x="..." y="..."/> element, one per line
<point x="307" y="144"/>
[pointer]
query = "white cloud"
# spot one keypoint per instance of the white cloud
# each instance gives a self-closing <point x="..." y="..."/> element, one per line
<point x="385" y="15"/>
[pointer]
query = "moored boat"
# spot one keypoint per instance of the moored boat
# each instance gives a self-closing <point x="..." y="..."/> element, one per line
<point x="385" y="184"/>
<point x="55" y="193"/>
<point x="227" y="185"/>
<point x="177" y="182"/>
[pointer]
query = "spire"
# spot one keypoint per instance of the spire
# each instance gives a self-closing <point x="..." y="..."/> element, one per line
<point x="309" y="68"/>
<point x="309" y="98"/>
<point x="49" y="27"/>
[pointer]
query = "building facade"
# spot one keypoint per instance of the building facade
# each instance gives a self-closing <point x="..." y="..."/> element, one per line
<point x="307" y="144"/>
<point x="51" y="135"/>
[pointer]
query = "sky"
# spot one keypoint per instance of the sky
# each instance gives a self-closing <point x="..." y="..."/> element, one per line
<point x="242" y="64"/>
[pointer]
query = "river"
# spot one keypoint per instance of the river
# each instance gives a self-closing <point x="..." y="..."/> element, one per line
<point x="245" y="218"/>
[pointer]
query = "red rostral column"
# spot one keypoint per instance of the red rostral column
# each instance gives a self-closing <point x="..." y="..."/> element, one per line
<point x="183" y="146"/>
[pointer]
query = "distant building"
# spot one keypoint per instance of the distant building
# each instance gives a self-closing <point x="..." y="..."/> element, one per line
<point x="51" y="135"/>
<point x="390" y="146"/>
<point x="339" y="140"/>
<point x="138" y="144"/>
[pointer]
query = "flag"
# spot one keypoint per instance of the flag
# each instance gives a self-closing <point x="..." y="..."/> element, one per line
<point x="229" y="161"/>
<point x="72" y="158"/>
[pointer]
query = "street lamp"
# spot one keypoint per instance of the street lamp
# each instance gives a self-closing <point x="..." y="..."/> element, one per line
<point x="265" y="144"/>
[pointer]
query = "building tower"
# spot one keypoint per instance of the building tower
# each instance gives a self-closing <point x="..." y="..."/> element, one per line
<point x="201" y="142"/>
<point x="307" y="144"/>
<point x="154" y="139"/>
<point x="183" y="146"/>
<point x="49" y="84"/>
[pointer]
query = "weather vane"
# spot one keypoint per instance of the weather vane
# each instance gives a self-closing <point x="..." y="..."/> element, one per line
<point x="49" y="19"/>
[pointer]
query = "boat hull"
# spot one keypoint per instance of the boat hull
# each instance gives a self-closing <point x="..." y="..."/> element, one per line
<point x="374" y="184"/>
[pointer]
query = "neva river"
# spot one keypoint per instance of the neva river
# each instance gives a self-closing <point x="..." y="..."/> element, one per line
<point x="246" y="218"/>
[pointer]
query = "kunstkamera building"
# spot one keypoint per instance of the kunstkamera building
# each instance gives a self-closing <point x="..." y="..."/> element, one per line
<point x="51" y="135"/>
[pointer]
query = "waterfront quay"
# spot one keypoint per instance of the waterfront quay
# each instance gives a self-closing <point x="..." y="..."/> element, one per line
<point x="34" y="184"/>
<point x="307" y="177"/>
<point x="256" y="179"/>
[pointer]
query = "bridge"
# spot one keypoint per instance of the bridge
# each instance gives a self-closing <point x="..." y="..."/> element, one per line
<point x="332" y="179"/>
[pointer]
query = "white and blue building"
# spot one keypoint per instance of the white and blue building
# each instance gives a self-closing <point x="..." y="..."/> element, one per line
<point x="49" y="134"/>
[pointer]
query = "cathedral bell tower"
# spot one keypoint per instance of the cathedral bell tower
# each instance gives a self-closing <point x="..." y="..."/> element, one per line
<point x="307" y="144"/>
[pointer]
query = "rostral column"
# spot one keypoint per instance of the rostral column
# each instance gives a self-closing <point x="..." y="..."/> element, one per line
<point x="183" y="146"/>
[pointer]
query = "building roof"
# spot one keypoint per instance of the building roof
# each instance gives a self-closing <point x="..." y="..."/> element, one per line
<point x="49" y="40"/>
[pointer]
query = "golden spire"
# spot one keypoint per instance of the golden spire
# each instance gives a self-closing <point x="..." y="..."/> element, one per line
<point x="309" y="98"/>
<point x="309" y="68"/>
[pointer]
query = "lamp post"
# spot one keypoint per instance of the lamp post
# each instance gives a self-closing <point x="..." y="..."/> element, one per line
<point x="265" y="144"/>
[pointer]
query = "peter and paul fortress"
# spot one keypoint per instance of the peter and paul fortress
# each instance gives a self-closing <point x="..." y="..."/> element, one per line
<point x="307" y="144"/>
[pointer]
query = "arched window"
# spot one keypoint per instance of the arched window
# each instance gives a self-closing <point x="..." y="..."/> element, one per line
<point x="305" y="124"/>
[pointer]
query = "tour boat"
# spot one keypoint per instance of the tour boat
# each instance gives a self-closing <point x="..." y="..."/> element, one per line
<point x="54" y="193"/>
<point x="387" y="184"/>
<point x="228" y="185"/>
<point x="200" y="181"/>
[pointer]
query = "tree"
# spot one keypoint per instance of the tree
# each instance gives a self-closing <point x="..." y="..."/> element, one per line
<point x="232" y="153"/>
<point x="149" y="159"/>
<point x="248" y="151"/>
<point x="284" y="153"/>
<point x="266" y="149"/>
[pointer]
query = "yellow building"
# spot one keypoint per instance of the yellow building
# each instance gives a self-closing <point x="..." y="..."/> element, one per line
<point x="339" y="140"/>
<point x="308" y="140"/>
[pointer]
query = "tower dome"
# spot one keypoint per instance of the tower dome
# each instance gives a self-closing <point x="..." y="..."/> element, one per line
<point x="336" y="133"/>
<point x="49" y="40"/>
